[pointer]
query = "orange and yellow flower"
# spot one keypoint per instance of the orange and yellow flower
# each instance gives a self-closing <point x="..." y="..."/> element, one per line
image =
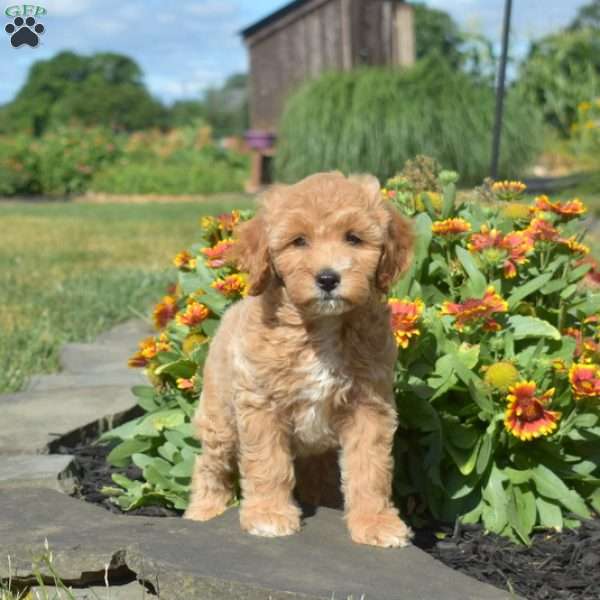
<point x="476" y="311"/>
<point x="404" y="318"/>
<point x="186" y="384"/>
<point x="585" y="380"/>
<point x="575" y="246"/>
<point x="194" y="314"/>
<point x="164" y="311"/>
<point x="510" y="249"/>
<point x="451" y="227"/>
<point x="571" y="208"/>
<point x="526" y="416"/>
<point x="184" y="261"/>
<point x="228" y="221"/>
<point x="148" y="349"/>
<point x="232" y="286"/>
<point x="216" y="254"/>
<point x="541" y="230"/>
<point x="508" y="190"/>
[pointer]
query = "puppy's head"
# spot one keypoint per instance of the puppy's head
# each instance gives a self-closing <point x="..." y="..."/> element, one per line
<point x="330" y="240"/>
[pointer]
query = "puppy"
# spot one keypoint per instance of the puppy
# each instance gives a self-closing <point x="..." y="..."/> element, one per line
<point x="303" y="366"/>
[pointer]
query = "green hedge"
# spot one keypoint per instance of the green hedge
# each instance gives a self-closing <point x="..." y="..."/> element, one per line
<point x="372" y="120"/>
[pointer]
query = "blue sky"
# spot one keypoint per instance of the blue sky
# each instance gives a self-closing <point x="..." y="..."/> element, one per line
<point x="184" y="46"/>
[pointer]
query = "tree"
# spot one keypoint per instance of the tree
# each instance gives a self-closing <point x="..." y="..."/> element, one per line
<point x="227" y="107"/>
<point x="587" y="16"/>
<point x="562" y="70"/>
<point x="186" y="112"/>
<point x="102" y="89"/>
<point x="438" y="34"/>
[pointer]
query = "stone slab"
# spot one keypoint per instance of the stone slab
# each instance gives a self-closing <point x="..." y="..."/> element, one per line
<point x="108" y="353"/>
<point x="128" y="591"/>
<point x="215" y="560"/>
<point x="127" y="334"/>
<point x="76" y="359"/>
<point x="31" y="421"/>
<point x="36" y="470"/>
<point x="60" y="381"/>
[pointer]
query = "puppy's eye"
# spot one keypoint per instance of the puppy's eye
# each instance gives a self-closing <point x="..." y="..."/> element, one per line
<point x="353" y="239"/>
<point x="299" y="241"/>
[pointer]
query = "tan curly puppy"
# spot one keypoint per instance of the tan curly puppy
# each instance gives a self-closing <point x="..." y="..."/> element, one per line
<point x="303" y="367"/>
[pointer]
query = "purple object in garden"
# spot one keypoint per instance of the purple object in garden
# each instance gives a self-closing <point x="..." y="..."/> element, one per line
<point x="260" y="140"/>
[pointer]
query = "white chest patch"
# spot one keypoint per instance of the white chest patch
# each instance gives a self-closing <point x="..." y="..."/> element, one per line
<point x="312" y="423"/>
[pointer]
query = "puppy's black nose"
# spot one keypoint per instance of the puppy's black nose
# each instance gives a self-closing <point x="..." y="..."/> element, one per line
<point x="328" y="279"/>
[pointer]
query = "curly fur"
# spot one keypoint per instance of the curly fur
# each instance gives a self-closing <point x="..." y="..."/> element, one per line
<point x="296" y="376"/>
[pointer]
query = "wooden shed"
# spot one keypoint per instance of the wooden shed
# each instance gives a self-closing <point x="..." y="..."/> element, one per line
<point x="307" y="37"/>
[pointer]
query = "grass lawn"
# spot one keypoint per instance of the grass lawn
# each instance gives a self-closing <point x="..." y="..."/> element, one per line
<point x="69" y="271"/>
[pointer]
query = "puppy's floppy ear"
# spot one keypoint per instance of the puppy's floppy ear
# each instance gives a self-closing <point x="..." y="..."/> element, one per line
<point x="397" y="250"/>
<point x="251" y="253"/>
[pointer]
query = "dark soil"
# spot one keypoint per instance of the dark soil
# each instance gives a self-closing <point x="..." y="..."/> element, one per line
<point x="557" y="566"/>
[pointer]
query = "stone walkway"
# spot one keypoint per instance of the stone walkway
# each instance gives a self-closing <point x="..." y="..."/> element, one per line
<point x="176" y="559"/>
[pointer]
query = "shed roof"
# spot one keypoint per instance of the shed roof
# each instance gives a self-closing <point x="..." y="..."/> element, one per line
<point x="275" y="16"/>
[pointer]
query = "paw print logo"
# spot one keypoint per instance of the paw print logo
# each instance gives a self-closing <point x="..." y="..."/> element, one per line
<point x="24" y="32"/>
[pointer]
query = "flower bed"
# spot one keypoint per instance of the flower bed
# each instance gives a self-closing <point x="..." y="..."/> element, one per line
<point x="498" y="377"/>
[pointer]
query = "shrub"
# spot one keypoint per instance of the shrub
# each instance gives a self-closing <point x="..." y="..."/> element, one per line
<point x="73" y="160"/>
<point x="372" y="120"/>
<point x="498" y="378"/>
<point x="182" y="161"/>
<point x="18" y="166"/>
<point x="68" y="158"/>
<point x="561" y="71"/>
<point x="585" y="131"/>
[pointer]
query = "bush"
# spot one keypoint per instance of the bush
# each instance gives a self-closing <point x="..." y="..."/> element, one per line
<point x="561" y="71"/>
<point x="585" y="131"/>
<point x="375" y="119"/>
<point x="73" y="160"/>
<point x="498" y="377"/>
<point x="182" y="161"/>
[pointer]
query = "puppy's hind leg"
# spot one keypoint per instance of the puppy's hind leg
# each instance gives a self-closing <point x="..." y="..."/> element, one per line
<point x="215" y="469"/>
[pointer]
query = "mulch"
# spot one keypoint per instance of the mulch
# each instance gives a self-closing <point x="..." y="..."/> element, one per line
<point x="557" y="566"/>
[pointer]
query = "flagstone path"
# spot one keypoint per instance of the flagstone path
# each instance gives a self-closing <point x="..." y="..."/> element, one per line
<point x="176" y="559"/>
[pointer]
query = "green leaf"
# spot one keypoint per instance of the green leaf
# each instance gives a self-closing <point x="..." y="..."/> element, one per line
<point x="526" y="509"/>
<point x="477" y="278"/>
<point x="526" y="327"/>
<point x="551" y="486"/>
<point x="464" y="460"/>
<point x="449" y="195"/>
<point x="521" y="292"/>
<point x="120" y="455"/>
<point x="496" y="517"/>
<point x="485" y="453"/>
<point x="210" y="326"/>
<point x="568" y="291"/>
<point x="178" y="368"/>
<point x="550" y="514"/>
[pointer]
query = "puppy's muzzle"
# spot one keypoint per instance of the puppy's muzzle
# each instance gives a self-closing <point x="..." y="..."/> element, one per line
<point x="328" y="280"/>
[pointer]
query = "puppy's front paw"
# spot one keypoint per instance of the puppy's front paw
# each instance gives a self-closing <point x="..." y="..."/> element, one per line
<point x="384" y="529"/>
<point x="207" y="508"/>
<point x="270" y="522"/>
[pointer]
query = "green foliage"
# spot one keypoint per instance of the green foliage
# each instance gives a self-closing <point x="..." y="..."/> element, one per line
<point x="561" y="71"/>
<point x="226" y="108"/>
<point x="587" y="16"/>
<point x="72" y="160"/>
<point x="103" y="89"/>
<point x="499" y="293"/>
<point x="374" y="119"/>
